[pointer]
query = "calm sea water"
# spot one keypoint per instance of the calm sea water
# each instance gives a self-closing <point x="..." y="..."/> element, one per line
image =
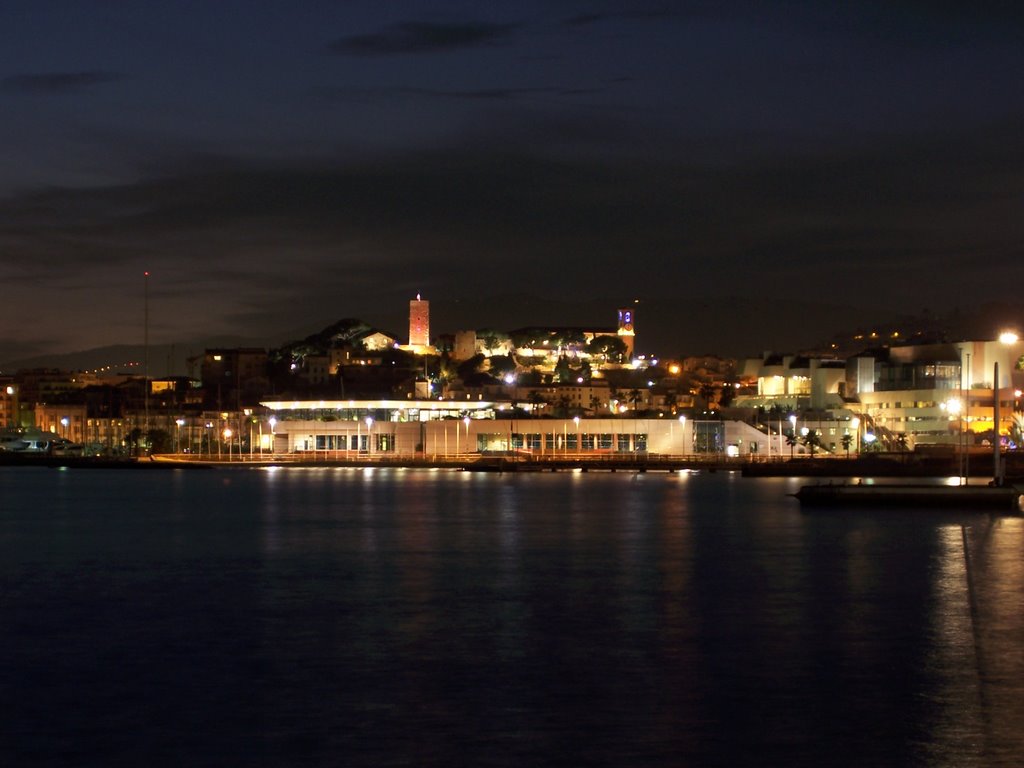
<point x="408" y="618"/>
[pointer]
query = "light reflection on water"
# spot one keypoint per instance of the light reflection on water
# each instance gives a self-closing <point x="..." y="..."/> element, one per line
<point x="340" y="616"/>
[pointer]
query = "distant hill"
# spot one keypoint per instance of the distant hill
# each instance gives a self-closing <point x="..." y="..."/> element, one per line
<point x="985" y="321"/>
<point x="164" y="359"/>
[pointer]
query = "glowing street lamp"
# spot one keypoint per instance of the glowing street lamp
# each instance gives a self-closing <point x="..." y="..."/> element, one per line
<point x="576" y="419"/>
<point x="369" y="429"/>
<point x="272" y="421"/>
<point x="1008" y="337"/>
<point x="227" y="438"/>
<point x="682" y="430"/>
<point x="177" y="434"/>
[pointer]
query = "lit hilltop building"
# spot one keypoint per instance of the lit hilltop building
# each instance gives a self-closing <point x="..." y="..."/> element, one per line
<point x="550" y="342"/>
<point x="625" y="331"/>
<point x="419" y="322"/>
<point x="419" y="326"/>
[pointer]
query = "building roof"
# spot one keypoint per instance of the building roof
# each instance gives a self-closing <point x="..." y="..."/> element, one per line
<point x="391" y="405"/>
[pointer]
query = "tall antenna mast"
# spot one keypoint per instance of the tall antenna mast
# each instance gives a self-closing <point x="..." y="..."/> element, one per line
<point x="145" y="359"/>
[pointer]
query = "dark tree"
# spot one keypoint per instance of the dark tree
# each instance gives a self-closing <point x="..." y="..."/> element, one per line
<point x="612" y="348"/>
<point x="159" y="441"/>
<point x="502" y="365"/>
<point x="475" y="364"/>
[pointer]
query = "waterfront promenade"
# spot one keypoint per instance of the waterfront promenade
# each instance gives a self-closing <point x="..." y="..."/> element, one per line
<point x="868" y="465"/>
<point x="874" y="465"/>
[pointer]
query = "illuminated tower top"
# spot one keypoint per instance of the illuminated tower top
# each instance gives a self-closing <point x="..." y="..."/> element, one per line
<point x="419" y="322"/>
<point x="627" y="317"/>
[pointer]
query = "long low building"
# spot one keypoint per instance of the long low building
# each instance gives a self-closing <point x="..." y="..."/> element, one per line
<point x="447" y="428"/>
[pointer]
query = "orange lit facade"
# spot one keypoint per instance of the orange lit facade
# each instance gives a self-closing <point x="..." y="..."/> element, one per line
<point x="419" y="322"/>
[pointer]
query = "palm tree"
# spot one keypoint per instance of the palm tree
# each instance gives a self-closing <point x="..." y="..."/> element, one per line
<point x="792" y="442"/>
<point x="537" y="401"/>
<point x="847" y="441"/>
<point x="707" y="393"/>
<point x="812" y="440"/>
<point x="901" y="441"/>
<point x="134" y="440"/>
<point x="562" y="406"/>
<point x="613" y="397"/>
<point x="1017" y="430"/>
<point x="634" y="398"/>
<point x="901" y="445"/>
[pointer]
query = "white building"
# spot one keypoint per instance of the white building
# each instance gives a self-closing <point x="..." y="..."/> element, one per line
<point x="447" y="428"/>
<point x="794" y="382"/>
<point x="933" y="393"/>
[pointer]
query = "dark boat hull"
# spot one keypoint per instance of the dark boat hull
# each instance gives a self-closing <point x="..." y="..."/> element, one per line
<point x="1006" y="498"/>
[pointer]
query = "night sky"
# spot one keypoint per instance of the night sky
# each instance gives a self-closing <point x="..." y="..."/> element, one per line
<point x="758" y="174"/>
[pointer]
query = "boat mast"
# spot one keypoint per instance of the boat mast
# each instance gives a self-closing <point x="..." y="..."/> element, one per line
<point x="997" y="470"/>
<point x="967" y="425"/>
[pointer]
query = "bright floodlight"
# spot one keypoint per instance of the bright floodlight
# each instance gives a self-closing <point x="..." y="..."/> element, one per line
<point x="1007" y="337"/>
<point x="509" y="378"/>
<point x="869" y="438"/>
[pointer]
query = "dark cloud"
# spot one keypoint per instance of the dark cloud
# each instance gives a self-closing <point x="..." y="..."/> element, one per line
<point x="543" y="95"/>
<point x="413" y="37"/>
<point x="498" y="94"/>
<point x="58" y="82"/>
<point x="918" y="24"/>
<point x="587" y="19"/>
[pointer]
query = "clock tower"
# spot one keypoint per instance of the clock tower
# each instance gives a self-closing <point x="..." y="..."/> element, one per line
<point x="627" y="317"/>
